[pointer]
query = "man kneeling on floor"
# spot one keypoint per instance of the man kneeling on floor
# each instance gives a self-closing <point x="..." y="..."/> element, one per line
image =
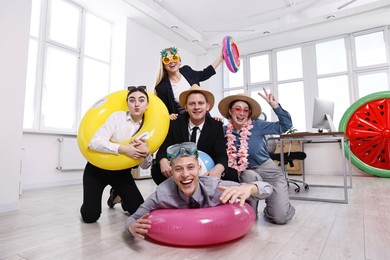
<point x="186" y="189"/>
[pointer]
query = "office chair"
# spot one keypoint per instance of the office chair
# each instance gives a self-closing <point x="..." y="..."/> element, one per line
<point x="289" y="158"/>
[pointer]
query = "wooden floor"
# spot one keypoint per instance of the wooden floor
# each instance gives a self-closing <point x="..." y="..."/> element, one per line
<point x="48" y="226"/>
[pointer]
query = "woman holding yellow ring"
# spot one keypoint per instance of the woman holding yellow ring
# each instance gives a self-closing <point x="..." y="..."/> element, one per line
<point x="119" y="127"/>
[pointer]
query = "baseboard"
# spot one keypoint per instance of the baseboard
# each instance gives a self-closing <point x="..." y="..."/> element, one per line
<point x="30" y="186"/>
<point x="9" y="207"/>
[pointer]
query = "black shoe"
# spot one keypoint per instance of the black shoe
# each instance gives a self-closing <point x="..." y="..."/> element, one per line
<point x="111" y="200"/>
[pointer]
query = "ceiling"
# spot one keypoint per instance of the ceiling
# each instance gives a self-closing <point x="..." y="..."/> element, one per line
<point x="204" y="23"/>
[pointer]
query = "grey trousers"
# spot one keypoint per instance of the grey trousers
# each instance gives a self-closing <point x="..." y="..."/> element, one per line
<point x="278" y="207"/>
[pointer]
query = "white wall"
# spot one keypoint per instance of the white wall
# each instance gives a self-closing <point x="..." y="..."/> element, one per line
<point x="14" y="31"/>
<point x="40" y="161"/>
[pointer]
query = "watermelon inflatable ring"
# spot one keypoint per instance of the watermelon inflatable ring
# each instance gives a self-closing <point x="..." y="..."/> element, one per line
<point x="366" y="123"/>
<point x="231" y="54"/>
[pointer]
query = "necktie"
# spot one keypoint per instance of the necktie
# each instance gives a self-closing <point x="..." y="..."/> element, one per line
<point x="193" y="134"/>
<point x="193" y="204"/>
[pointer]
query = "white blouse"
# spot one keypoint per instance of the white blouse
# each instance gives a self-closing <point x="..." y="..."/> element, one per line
<point x="118" y="127"/>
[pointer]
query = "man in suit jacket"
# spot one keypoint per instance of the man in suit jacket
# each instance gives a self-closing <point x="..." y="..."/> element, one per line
<point x="209" y="138"/>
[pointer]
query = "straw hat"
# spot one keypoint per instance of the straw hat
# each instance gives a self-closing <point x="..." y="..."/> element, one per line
<point x="224" y="104"/>
<point x="196" y="88"/>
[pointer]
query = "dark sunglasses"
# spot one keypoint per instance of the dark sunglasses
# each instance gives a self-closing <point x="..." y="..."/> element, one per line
<point x="133" y="88"/>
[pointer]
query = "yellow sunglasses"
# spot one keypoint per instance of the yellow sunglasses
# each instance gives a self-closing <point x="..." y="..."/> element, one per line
<point x="173" y="58"/>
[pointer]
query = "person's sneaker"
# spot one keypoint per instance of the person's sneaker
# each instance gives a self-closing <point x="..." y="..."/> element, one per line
<point x="113" y="199"/>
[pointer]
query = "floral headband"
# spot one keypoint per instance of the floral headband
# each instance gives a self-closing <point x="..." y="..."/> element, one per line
<point x="174" y="58"/>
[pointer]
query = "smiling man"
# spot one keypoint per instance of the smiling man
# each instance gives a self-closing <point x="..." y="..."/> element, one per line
<point x="206" y="131"/>
<point x="186" y="189"/>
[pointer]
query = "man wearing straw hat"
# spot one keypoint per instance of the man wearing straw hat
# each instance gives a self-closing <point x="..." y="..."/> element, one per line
<point x="247" y="150"/>
<point x="197" y="127"/>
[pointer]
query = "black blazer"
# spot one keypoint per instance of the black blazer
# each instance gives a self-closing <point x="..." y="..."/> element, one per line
<point x="164" y="88"/>
<point x="211" y="139"/>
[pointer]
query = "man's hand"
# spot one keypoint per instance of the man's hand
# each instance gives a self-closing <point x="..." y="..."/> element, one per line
<point x="140" y="227"/>
<point x="165" y="167"/>
<point x="233" y="193"/>
<point x="216" y="171"/>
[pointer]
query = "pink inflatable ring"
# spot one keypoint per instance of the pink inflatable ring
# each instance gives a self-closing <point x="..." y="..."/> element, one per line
<point x="231" y="54"/>
<point x="199" y="227"/>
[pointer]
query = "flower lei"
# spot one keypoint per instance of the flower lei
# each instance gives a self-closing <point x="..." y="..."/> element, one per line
<point x="238" y="160"/>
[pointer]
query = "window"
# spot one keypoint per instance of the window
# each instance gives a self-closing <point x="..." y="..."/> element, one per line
<point x="234" y="79"/>
<point x="371" y="63"/>
<point x="292" y="98"/>
<point x="290" y="87"/>
<point x="335" y="89"/>
<point x="372" y="82"/>
<point x="259" y="68"/>
<point x="289" y="64"/>
<point x="331" y="57"/>
<point x="370" y="49"/>
<point x="332" y="75"/>
<point x="68" y="66"/>
<point x="342" y="69"/>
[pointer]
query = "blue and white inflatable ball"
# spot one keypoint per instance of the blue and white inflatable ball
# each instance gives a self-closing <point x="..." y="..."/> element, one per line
<point x="206" y="162"/>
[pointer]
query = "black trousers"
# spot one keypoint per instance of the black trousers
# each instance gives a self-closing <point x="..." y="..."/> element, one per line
<point x="96" y="179"/>
<point x="158" y="177"/>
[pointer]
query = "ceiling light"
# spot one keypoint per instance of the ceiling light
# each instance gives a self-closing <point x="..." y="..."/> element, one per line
<point x="330" y="17"/>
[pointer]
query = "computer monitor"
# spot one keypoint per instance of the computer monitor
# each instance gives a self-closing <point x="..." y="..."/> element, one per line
<point x="323" y="115"/>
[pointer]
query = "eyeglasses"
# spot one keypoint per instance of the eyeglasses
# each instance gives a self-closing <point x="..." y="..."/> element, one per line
<point x="178" y="150"/>
<point x="134" y="88"/>
<point x="240" y="110"/>
<point x="173" y="58"/>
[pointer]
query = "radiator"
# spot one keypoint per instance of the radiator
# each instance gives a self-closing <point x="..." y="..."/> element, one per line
<point x="69" y="156"/>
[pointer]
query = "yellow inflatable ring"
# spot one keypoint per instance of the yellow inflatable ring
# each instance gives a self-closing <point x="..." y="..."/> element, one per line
<point x="156" y="125"/>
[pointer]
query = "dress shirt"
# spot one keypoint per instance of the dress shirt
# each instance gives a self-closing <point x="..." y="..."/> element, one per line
<point x="168" y="196"/>
<point x="190" y="129"/>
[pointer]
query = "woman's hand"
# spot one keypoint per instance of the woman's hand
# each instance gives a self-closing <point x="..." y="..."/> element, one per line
<point x="269" y="98"/>
<point x="173" y="116"/>
<point x="136" y="149"/>
<point x="218" y="119"/>
<point x="139" y="228"/>
<point x="142" y="147"/>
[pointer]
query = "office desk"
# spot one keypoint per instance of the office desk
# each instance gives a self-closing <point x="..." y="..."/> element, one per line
<point x="326" y="137"/>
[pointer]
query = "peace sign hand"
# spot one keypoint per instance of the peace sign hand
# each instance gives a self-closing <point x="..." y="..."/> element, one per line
<point x="271" y="100"/>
